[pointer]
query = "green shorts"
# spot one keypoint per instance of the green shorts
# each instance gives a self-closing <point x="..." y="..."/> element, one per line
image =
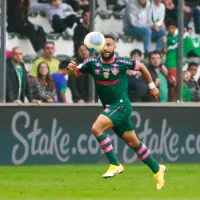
<point x="119" y="113"/>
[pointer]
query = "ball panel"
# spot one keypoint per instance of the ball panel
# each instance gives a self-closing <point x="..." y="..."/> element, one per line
<point x="94" y="41"/>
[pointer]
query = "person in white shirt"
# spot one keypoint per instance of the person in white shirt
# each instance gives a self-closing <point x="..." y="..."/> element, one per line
<point x="144" y="20"/>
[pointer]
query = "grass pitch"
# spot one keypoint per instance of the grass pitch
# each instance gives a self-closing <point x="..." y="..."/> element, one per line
<point x="85" y="182"/>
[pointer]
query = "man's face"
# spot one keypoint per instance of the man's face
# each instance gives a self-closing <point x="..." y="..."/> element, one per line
<point x="186" y="76"/>
<point x="109" y="49"/>
<point x="83" y="53"/>
<point x="17" y="55"/>
<point x="86" y="18"/>
<point x="157" y="1"/>
<point x="49" y="50"/>
<point x="56" y="3"/>
<point x="136" y="56"/>
<point x="171" y="30"/>
<point x="155" y="60"/>
<point x="143" y="2"/>
<point x="193" y="70"/>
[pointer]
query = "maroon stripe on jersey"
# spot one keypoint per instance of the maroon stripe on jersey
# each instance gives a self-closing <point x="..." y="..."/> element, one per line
<point x="107" y="82"/>
<point x="79" y="72"/>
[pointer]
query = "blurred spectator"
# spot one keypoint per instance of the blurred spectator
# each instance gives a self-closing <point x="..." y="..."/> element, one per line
<point x="193" y="85"/>
<point x="189" y="12"/>
<point x="170" y="46"/>
<point x="159" y="74"/>
<point x="81" y="31"/>
<point x="59" y="14"/>
<point x="191" y="43"/>
<point x="17" y="13"/>
<point x="79" y="86"/>
<point x="48" y="53"/>
<point x="185" y="89"/>
<point x="140" y="22"/>
<point x="114" y="5"/>
<point x="84" y="4"/>
<point x="136" y="54"/>
<point x="61" y="82"/>
<point x="43" y="87"/>
<point x="136" y="87"/>
<point x="17" y="84"/>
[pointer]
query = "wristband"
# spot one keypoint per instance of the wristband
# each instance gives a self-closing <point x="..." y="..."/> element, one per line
<point x="151" y="85"/>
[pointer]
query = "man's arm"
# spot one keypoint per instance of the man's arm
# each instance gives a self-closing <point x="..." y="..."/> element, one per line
<point x="73" y="70"/>
<point x="164" y="48"/>
<point x="63" y="97"/>
<point x="153" y="89"/>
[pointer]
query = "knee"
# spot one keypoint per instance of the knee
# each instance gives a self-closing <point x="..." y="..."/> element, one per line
<point x="56" y="17"/>
<point x="162" y="32"/>
<point x="96" y="130"/>
<point x="133" y="143"/>
<point x="147" y="31"/>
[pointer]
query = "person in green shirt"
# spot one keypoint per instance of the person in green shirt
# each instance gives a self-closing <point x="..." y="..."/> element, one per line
<point x="17" y="83"/>
<point x="109" y="73"/>
<point x="170" y="46"/>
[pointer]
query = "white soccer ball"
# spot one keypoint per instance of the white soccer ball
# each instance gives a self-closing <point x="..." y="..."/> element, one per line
<point x="94" y="42"/>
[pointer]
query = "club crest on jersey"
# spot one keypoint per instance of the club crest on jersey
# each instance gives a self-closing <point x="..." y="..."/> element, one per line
<point x="97" y="71"/>
<point x="106" y="75"/>
<point x="115" y="71"/>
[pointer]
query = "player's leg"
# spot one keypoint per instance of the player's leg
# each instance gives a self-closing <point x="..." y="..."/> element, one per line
<point x="101" y="124"/>
<point x="143" y="153"/>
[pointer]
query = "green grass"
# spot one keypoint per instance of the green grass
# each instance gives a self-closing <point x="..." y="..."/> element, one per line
<point x="85" y="182"/>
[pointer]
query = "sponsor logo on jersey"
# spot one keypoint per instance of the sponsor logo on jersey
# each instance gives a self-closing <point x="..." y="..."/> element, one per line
<point x="89" y="60"/>
<point x="106" y="70"/>
<point x="115" y="65"/>
<point x="98" y="64"/>
<point x="115" y="71"/>
<point x="107" y="110"/>
<point x="106" y="75"/>
<point x="124" y="61"/>
<point x="97" y="71"/>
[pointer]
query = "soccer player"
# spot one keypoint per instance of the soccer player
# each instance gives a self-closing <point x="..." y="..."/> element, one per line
<point x="109" y="73"/>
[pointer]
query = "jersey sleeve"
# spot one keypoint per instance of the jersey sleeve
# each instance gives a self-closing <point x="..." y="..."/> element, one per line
<point x="85" y="67"/>
<point x="63" y="85"/>
<point x="133" y="65"/>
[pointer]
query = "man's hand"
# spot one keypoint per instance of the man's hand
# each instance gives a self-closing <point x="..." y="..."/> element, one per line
<point x="80" y="101"/>
<point x="155" y="27"/>
<point x="19" y="102"/>
<point x="155" y="93"/>
<point x="72" y="66"/>
<point x="36" y="101"/>
<point x="164" y="39"/>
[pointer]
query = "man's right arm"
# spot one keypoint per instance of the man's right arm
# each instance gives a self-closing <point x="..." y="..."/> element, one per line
<point x="83" y="68"/>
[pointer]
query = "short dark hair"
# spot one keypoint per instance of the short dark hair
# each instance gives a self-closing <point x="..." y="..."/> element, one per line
<point x="192" y="64"/>
<point x="110" y="36"/>
<point x="154" y="52"/>
<point x="48" y="42"/>
<point x="136" y="51"/>
<point x="86" y="10"/>
<point x="170" y="22"/>
<point x="63" y="64"/>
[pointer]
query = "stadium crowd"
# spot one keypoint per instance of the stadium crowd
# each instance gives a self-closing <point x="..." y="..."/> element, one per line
<point x="145" y="20"/>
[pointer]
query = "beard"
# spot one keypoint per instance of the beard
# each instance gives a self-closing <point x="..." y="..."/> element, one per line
<point x="106" y="58"/>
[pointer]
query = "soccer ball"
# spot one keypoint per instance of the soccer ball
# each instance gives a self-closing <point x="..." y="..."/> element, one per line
<point x="94" y="42"/>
